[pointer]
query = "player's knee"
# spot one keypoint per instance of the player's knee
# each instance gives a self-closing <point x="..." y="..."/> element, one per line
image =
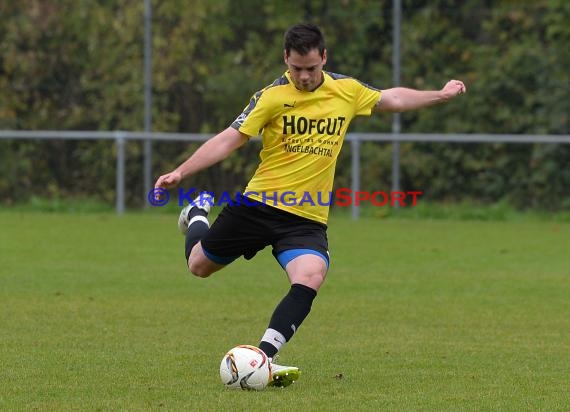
<point x="308" y="270"/>
<point x="313" y="279"/>
<point x="198" y="269"/>
<point x="318" y="278"/>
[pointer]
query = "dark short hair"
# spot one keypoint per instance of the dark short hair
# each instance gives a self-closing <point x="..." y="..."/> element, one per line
<point x="303" y="38"/>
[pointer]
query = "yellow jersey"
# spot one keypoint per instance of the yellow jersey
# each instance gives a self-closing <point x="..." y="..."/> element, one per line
<point x="302" y="134"/>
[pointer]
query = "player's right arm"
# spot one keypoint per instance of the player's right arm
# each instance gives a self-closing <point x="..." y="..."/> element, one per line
<point x="211" y="152"/>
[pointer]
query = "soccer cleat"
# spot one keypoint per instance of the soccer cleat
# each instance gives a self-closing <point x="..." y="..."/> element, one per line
<point x="204" y="201"/>
<point x="283" y="376"/>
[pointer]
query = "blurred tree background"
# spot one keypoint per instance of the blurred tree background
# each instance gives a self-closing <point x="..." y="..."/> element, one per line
<point x="78" y="65"/>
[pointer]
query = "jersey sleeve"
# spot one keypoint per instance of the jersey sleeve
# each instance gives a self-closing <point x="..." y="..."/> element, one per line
<point x="366" y="98"/>
<point x="254" y="117"/>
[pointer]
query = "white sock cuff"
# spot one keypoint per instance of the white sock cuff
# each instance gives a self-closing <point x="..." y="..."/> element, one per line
<point x="199" y="218"/>
<point x="274" y="338"/>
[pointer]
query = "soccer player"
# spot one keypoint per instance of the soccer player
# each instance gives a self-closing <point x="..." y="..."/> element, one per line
<point x="302" y="118"/>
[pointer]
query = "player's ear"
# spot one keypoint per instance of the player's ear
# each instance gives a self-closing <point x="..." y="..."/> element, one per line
<point x="285" y="56"/>
<point x="324" y="57"/>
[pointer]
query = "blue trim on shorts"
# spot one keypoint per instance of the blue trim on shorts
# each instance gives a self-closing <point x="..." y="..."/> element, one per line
<point x="288" y="255"/>
<point x="219" y="259"/>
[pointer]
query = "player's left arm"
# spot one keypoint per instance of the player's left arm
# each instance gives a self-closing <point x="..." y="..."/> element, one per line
<point x="401" y="99"/>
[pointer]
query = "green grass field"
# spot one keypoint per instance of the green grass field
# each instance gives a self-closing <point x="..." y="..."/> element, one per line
<point x="98" y="313"/>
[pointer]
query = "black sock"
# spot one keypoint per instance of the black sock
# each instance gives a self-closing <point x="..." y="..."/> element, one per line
<point x="196" y="229"/>
<point x="287" y="317"/>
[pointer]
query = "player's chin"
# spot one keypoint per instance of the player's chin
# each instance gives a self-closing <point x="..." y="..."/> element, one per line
<point x="304" y="87"/>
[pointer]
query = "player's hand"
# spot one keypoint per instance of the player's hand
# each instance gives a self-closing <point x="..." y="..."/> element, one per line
<point x="453" y="88"/>
<point x="168" y="180"/>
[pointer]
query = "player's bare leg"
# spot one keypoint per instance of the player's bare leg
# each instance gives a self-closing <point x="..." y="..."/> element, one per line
<point x="309" y="270"/>
<point x="199" y="264"/>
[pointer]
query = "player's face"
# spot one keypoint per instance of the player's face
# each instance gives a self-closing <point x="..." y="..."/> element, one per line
<point x="306" y="70"/>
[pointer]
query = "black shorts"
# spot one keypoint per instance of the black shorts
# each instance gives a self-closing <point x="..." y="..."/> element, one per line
<point x="242" y="230"/>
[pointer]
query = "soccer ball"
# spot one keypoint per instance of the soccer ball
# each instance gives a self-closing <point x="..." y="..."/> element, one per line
<point x="245" y="367"/>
